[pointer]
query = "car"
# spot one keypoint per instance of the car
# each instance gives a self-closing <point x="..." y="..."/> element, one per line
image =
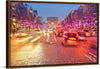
<point x="82" y="36"/>
<point x="37" y="31"/>
<point x="70" y="36"/>
<point x="70" y="39"/>
<point x="94" y="32"/>
<point x="59" y="33"/>
<point x="87" y="33"/>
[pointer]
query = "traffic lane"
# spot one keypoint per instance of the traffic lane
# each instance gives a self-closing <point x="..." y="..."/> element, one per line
<point x="91" y="43"/>
<point x="22" y="55"/>
<point x="58" y="54"/>
<point x="90" y="47"/>
<point x="22" y="40"/>
<point x="36" y="54"/>
<point x="41" y="53"/>
<point x="48" y="54"/>
<point x="18" y="51"/>
<point x="73" y="54"/>
<point x="85" y="46"/>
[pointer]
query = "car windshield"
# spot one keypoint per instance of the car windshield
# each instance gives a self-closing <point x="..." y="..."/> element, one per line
<point x="81" y="33"/>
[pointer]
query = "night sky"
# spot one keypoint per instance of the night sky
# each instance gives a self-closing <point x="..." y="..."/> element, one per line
<point x="53" y="10"/>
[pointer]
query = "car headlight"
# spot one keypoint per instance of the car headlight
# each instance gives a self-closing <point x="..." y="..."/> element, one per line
<point x="56" y="33"/>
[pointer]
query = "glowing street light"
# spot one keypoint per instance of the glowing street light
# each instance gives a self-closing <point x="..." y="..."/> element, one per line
<point x="14" y="20"/>
<point x="30" y="11"/>
<point x="36" y="17"/>
<point x="72" y="11"/>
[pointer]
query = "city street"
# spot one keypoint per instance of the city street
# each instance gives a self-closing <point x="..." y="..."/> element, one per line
<point x="39" y="52"/>
<point x="51" y="34"/>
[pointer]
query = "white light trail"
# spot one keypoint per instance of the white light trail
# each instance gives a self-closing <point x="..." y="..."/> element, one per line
<point x="36" y="38"/>
<point x="25" y="39"/>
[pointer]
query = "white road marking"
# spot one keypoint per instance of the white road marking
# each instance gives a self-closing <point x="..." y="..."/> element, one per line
<point x="91" y="58"/>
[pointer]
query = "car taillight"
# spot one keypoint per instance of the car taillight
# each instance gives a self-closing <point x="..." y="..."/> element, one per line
<point x="66" y="42"/>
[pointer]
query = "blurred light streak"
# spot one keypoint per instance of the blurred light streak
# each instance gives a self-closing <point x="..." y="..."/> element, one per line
<point x="91" y="58"/>
<point x="44" y="34"/>
<point x="38" y="49"/>
<point x="11" y="35"/>
<point x="16" y="34"/>
<point x="25" y="39"/>
<point x="36" y="38"/>
<point x="88" y="54"/>
<point x="93" y="55"/>
<point x="24" y="34"/>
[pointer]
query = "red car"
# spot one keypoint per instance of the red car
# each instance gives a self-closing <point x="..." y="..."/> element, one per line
<point x="70" y="39"/>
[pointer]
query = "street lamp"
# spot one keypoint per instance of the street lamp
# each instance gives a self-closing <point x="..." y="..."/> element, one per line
<point x="72" y="11"/>
<point x="14" y="20"/>
<point x="36" y="18"/>
<point x="30" y="11"/>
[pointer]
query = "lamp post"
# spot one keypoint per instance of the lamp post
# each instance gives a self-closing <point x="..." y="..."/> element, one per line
<point x="30" y="11"/>
<point x="14" y="26"/>
<point x="36" y="18"/>
<point x="72" y="17"/>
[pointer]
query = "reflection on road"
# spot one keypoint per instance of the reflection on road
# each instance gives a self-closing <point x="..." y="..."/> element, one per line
<point x="33" y="50"/>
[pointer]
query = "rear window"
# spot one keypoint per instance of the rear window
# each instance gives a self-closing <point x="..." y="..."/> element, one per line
<point x="71" y="34"/>
<point x="81" y="33"/>
<point x="86" y="30"/>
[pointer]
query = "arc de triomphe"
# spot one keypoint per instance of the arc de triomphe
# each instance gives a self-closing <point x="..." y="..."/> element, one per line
<point x="52" y="19"/>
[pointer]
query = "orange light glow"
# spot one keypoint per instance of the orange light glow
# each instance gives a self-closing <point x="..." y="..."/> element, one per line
<point x="14" y="19"/>
<point x="25" y="39"/>
<point x="72" y="11"/>
<point x="30" y="11"/>
<point x="87" y="34"/>
<point x="93" y="33"/>
<point x="77" y="35"/>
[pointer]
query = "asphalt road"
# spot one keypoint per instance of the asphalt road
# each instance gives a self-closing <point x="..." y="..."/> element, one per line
<point x="36" y="50"/>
